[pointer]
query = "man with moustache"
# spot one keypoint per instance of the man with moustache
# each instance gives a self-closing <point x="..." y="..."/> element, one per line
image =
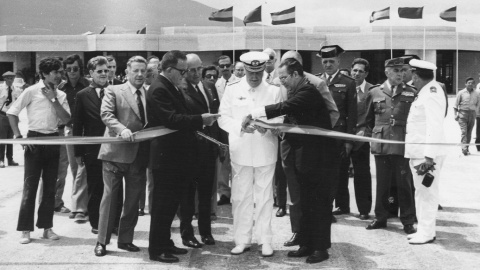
<point x="388" y="106"/>
<point x="360" y="155"/>
<point x="200" y="98"/>
<point x="172" y="155"/>
<point x="123" y="112"/>
<point x="46" y="108"/>
<point x="88" y="122"/>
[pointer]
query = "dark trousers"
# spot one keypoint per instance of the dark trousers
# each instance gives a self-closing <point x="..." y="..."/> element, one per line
<point x="203" y="183"/>
<point x="341" y="175"/>
<point x="41" y="161"/>
<point x="362" y="180"/>
<point x="113" y="175"/>
<point x="396" y="168"/>
<point x="95" y="187"/>
<point x="5" y="133"/>
<point x="168" y="188"/>
<point x="280" y="180"/>
<point x="477" y="140"/>
<point x="288" y="164"/>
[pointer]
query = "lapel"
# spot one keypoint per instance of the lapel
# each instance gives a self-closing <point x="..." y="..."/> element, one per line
<point x="173" y="90"/>
<point x="92" y="95"/>
<point x="402" y="87"/>
<point x="335" y="79"/>
<point x="386" y="90"/>
<point x="127" y="94"/>
<point x="192" y="92"/>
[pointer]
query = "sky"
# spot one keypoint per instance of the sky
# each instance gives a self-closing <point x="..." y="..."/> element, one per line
<point x="357" y="12"/>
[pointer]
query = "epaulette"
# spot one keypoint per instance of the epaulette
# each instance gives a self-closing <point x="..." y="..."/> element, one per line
<point x="346" y="76"/>
<point x="232" y="83"/>
<point x="373" y="86"/>
<point x="412" y="87"/>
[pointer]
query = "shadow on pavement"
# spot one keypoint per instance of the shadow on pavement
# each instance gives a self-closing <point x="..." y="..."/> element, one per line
<point x="457" y="242"/>
<point x="450" y="223"/>
<point x="461" y="210"/>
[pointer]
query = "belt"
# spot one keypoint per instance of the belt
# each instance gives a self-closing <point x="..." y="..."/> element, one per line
<point x="392" y="122"/>
<point x="32" y="133"/>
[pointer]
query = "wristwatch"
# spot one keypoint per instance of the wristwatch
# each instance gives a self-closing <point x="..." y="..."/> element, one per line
<point x="53" y="99"/>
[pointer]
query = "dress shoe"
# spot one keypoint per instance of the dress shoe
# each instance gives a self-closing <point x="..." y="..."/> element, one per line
<point x="340" y="211"/>
<point x="50" y="235"/>
<point x="80" y="218"/>
<point x="208" y="239"/>
<point x="363" y="216"/>
<point x="267" y="250"/>
<point x="191" y="242"/>
<point x="318" y="256"/>
<point x="409" y="229"/>
<point x="239" y="249"/>
<point x="141" y="212"/>
<point x="2" y="165"/>
<point x="164" y="257"/>
<point x="213" y="216"/>
<point x="334" y="219"/>
<point x="62" y="209"/>
<point x="115" y="231"/>
<point x="223" y="200"/>
<point x="25" y="238"/>
<point x="281" y="212"/>
<point x="100" y="250"/>
<point x="294" y="241"/>
<point x="420" y="240"/>
<point x="376" y="225"/>
<point x="303" y="251"/>
<point x="465" y="152"/>
<point x="11" y="162"/>
<point x="94" y="231"/>
<point x="176" y="250"/>
<point x="128" y="247"/>
<point x="72" y="215"/>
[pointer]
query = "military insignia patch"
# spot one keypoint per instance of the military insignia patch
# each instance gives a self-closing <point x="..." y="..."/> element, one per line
<point x="255" y="63"/>
<point x="242" y="98"/>
<point x="433" y="89"/>
<point x="408" y="94"/>
<point x="339" y="85"/>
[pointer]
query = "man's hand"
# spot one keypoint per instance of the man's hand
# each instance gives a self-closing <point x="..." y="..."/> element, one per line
<point x="60" y="86"/>
<point x="79" y="160"/>
<point x="429" y="162"/>
<point x="248" y="129"/>
<point x="127" y="135"/>
<point x="262" y="130"/>
<point x="209" y="119"/>
<point x="246" y="121"/>
<point x="348" y="148"/>
<point x="276" y="132"/>
<point x="49" y="93"/>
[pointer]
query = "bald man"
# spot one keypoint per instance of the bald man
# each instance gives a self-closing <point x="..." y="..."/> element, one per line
<point x="270" y="72"/>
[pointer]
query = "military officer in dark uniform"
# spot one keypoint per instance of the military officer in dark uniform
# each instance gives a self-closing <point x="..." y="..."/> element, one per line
<point x="344" y="94"/>
<point x="388" y="105"/>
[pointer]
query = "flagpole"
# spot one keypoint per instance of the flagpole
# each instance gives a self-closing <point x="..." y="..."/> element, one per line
<point x="456" y="32"/>
<point x="296" y="38"/>
<point x="263" y="36"/>
<point x="391" y="40"/>
<point x="424" y="41"/>
<point x="233" y="34"/>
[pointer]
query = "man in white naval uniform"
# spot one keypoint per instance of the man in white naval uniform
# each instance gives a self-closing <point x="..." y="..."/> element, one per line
<point x="253" y="153"/>
<point x="425" y="125"/>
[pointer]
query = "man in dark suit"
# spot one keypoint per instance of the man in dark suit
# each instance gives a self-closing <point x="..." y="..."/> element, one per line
<point x="112" y="70"/>
<point x="172" y="156"/>
<point x="360" y="155"/>
<point x="88" y="122"/>
<point x="123" y="112"/>
<point x="315" y="158"/>
<point x="201" y="98"/>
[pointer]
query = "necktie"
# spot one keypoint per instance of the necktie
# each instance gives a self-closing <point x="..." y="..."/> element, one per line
<point x="140" y="106"/>
<point x="359" y="93"/>
<point x="102" y="93"/>
<point x="268" y="77"/>
<point x="110" y="82"/>
<point x="9" y="98"/>
<point x="329" y="78"/>
<point x="201" y="95"/>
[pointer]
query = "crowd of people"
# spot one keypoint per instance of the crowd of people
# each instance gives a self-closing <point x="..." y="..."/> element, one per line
<point x="181" y="173"/>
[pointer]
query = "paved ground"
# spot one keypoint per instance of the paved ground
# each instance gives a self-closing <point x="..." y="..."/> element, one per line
<point x="457" y="245"/>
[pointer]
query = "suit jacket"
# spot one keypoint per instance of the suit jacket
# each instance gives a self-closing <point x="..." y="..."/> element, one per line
<point x="119" y="111"/>
<point x="87" y="120"/>
<point x="362" y="113"/>
<point x="117" y="81"/>
<point x="166" y="106"/>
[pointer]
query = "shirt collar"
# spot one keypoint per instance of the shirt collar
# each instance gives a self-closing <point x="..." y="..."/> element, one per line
<point x="362" y="86"/>
<point x="133" y="89"/>
<point x="332" y="76"/>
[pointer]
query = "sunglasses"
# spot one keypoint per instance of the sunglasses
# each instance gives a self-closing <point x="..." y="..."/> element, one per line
<point x="72" y="69"/>
<point x="182" y="71"/>
<point x="100" y="71"/>
<point x="210" y="76"/>
<point x="225" y="66"/>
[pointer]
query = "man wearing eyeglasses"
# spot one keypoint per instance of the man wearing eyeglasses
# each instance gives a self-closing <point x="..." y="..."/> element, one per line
<point x="46" y="107"/>
<point x="210" y="74"/>
<point x="225" y="67"/>
<point x="270" y="71"/>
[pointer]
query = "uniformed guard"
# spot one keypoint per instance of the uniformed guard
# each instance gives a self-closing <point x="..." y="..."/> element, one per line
<point x="253" y="152"/>
<point x="430" y="104"/>
<point x="344" y="93"/>
<point x="388" y="105"/>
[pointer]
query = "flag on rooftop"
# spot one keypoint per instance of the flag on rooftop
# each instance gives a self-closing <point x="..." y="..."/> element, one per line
<point x="449" y="14"/>
<point x="254" y="16"/>
<point x="143" y="30"/>
<point x="222" y="15"/>
<point x="284" y="17"/>
<point x="103" y="30"/>
<point x="410" y="12"/>
<point x="383" y="14"/>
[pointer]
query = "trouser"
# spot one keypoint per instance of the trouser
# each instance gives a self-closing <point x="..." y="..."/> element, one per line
<point x="477" y="139"/>
<point x="397" y="168"/>
<point x="95" y="187"/>
<point x="113" y="173"/>
<point x="252" y="199"/>
<point x="148" y="192"/>
<point x="362" y="180"/>
<point x="427" y="198"/>
<point x="5" y="133"/>
<point x="288" y="163"/>
<point x="280" y="181"/>
<point x="202" y="183"/>
<point x="41" y="161"/>
<point x="466" y="121"/>
<point x="224" y="175"/>
<point x="168" y="189"/>
<point x="342" y="174"/>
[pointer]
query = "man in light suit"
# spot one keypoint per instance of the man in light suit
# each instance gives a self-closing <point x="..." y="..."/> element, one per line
<point x="270" y="72"/>
<point x="123" y="112"/>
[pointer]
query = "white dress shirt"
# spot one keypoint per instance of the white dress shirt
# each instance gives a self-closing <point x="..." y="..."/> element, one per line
<point x="222" y="83"/>
<point x="142" y="90"/>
